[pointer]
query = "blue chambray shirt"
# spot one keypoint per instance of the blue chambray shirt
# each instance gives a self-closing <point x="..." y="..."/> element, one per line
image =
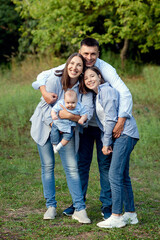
<point x="65" y="125"/>
<point x="41" y="119"/>
<point x="107" y="107"/>
<point x="110" y="75"/>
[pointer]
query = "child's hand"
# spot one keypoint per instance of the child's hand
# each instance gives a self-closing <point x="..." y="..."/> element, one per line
<point x="107" y="150"/>
<point x="80" y="121"/>
<point x="54" y="115"/>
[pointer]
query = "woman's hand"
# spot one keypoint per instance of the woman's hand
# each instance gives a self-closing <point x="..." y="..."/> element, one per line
<point x="107" y="150"/>
<point x="48" y="96"/>
<point x="64" y="114"/>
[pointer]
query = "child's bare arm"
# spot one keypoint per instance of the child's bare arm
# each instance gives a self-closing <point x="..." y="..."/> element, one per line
<point x="54" y="115"/>
<point x="82" y="119"/>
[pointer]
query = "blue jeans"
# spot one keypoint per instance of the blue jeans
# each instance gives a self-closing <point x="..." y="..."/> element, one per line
<point x="69" y="162"/>
<point x="87" y="139"/>
<point x="119" y="178"/>
<point x="56" y="136"/>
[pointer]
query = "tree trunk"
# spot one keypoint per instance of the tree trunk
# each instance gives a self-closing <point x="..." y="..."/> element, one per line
<point x="124" y="52"/>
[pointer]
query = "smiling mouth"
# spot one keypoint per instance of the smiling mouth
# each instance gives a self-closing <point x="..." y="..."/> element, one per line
<point x="73" y="73"/>
<point x="89" y="63"/>
<point x="91" y="85"/>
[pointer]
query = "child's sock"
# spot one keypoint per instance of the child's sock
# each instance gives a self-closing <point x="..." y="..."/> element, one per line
<point x="59" y="146"/>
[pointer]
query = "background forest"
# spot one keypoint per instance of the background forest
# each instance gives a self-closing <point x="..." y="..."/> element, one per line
<point x="36" y="35"/>
<point x="130" y="28"/>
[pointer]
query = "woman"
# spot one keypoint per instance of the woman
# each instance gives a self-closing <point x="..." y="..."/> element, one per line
<point x="119" y="149"/>
<point x="41" y="120"/>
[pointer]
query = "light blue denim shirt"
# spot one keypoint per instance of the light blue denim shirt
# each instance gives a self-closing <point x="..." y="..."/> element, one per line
<point x="110" y="75"/>
<point x="108" y="98"/>
<point x="41" y="119"/>
<point x="65" y="125"/>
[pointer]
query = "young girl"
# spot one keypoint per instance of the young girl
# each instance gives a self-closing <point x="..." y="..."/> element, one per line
<point x="119" y="149"/>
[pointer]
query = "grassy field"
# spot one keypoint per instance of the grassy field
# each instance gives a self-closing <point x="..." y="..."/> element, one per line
<point x="22" y="204"/>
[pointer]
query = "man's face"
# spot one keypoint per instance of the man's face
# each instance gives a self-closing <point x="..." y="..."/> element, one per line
<point x="90" y="54"/>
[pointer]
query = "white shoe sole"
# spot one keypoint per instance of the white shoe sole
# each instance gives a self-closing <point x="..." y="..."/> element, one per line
<point x="48" y="218"/>
<point x="80" y="221"/>
<point x="66" y="214"/>
<point x="108" y="226"/>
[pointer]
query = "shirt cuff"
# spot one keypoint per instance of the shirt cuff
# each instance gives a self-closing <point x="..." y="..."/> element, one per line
<point x="36" y="85"/>
<point x="124" y="115"/>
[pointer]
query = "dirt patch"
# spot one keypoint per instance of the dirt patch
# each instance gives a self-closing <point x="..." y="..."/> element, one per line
<point x="19" y="214"/>
<point x="6" y="235"/>
<point x="83" y="236"/>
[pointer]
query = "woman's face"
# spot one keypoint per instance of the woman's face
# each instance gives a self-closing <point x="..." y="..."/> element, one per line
<point x="92" y="80"/>
<point x="75" y="67"/>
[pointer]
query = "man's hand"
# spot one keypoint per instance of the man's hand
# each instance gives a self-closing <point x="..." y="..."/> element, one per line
<point x="107" y="150"/>
<point x="119" y="127"/>
<point x="48" y="97"/>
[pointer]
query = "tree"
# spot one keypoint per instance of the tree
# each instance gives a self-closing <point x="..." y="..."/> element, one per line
<point x="9" y="24"/>
<point x="61" y="24"/>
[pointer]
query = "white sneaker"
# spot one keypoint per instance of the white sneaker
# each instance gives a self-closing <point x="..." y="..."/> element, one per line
<point x="130" y="218"/>
<point x="54" y="149"/>
<point x="50" y="213"/>
<point x="112" y="222"/>
<point x="81" y="216"/>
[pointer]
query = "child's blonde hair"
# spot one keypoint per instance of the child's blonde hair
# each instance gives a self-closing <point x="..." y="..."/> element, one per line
<point x="70" y="93"/>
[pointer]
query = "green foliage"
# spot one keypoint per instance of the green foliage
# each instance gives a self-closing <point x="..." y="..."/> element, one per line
<point x="131" y="67"/>
<point x="9" y="24"/>
<point x="61" y="24"/>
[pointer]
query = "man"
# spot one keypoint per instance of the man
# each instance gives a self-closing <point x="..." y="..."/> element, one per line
<point x="90" y="51"/>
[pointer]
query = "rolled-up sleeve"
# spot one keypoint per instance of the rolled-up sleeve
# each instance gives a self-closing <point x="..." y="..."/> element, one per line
<point x="53" y="85"/>
<point x="43" y="77"/>
<point x="125" y="103"/>
<point x="109" y="102"/>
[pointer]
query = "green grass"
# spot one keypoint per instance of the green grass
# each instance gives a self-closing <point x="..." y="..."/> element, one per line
<point x="22" y="204"/>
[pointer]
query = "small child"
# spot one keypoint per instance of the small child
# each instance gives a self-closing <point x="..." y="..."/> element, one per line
<point x="65" y="126"/>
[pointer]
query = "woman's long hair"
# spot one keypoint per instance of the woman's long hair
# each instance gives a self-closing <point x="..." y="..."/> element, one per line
<point x="82" y="87"/>
<point x="65" y="79"/>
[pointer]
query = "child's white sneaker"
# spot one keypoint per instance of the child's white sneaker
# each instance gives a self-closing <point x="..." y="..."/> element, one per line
<point x="50" y="213"/>
<point x="130" y="218"/>
<point x="112" y="222"/>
